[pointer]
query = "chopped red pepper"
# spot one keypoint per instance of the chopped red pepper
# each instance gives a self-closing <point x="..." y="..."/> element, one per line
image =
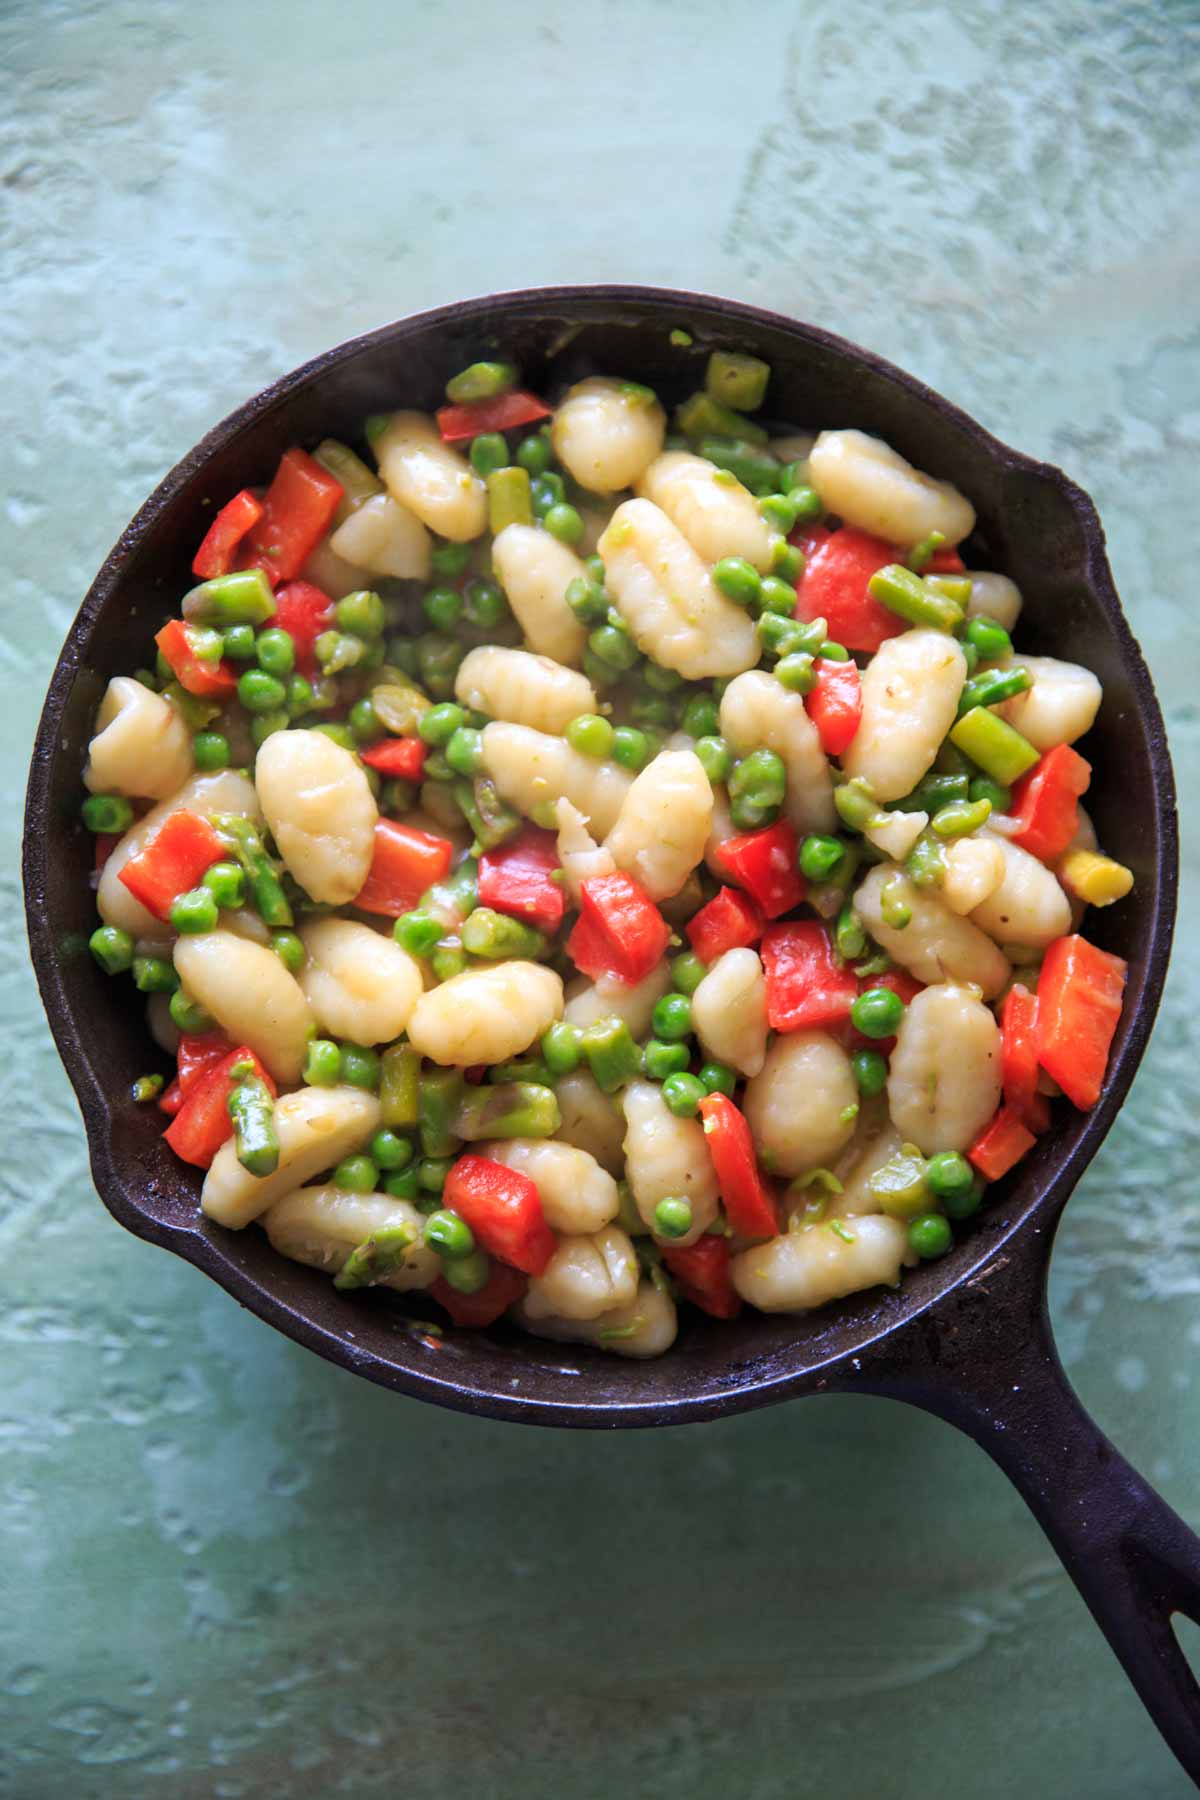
<point x="173" y="860"/>
<point x="730" y="921"/>
<point x="304" y="612"/>
<point x="1079" y="998"/>
<point x="807" y="988"/>
<point x="897" y="981"/>
<point x="297" y="510"/>
<point x="504" y="413"/>
<point x="1018" y="1048"/>
<point x="946" y="562"/>
<point x="1001" y="1145"/>
<point x="106" y="843"/>
<point x="833" y="586"/>
<point x="401" y="757"/>
<point x="518" y="878"/>
<point x="405" y="863"/>
<point x="749" y="1204"/>
<point x="503" y="1288"/>
<point x="197" y="1054"/>
<point x="206" y="679"/>
<point x="764" y="862"/>
<point x="1046" y="802"/>
<point x="503" y="1209"/>
<point x="1037" y="1115"/>
<point x="702" y="1275"/>
<point x="218" y="546"/>
<point x="835" y="704"/>
<point x="619" y="916"/>
<point x="590" y="951"/>
<point x="702" y="1271"/>
<point x="202" y="1123"/>
<point x="171" y="1098"/>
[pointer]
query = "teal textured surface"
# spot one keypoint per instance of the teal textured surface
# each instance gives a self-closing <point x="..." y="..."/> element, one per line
<point x="229" y="1570"/>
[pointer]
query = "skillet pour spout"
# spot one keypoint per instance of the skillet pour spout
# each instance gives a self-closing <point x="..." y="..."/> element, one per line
<point x="966" y="1338"/>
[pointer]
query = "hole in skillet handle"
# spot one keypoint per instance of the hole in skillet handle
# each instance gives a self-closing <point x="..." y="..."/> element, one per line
<point x="1034" y="526"/>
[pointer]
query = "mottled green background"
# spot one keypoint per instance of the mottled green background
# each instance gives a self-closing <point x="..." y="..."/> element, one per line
<point x="229" y="1570"/>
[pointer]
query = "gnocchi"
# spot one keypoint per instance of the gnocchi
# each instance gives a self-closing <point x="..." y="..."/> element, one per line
<point x="385" y="538"/>
<point x="666" y="1158"/>
<point x="870" y="485"/>
<point x="141" y="745"/>
<point x="607" y="433"/>
<point x="645" y="1326"/>
<point x="802" y="1104"/>
<point x="251" y="995"/>
<point x="729" y="1011"/>
<point x="358" y="984"/>
<point x="315" y="1126"/>
<point x="758" y="713"/>
<point x="429" y="478"/>
<point x="1027" y="905"/>
<point x="535" y="571"/>
<point x="322" y="1226"/>
<point x="663" y="824"/>
<point x="523" y="688"/>
<point x="718" y="517"/>
<point x="944" y="1077"/>
<point x="590" y="1120"/>
<point x="607" y="997"/>
<point x="486" y="1015"/>
<point x="1059" y="707"/>
<point x="668" y="599"/>
<point x="910" y="695"/>
<point x="936" y="944"/>
<point x="320" y="810"/>
<point x="533" y="770"/>
<point x="804" y="1269"/>
<point x="580" y="856"/>
<point x="578" y="1194"/>
<point x="227" y="792"/>
<point x="588" y="1275"/>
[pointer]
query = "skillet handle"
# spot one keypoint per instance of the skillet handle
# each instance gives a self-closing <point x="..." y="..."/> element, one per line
<point x="989" y="1365"/>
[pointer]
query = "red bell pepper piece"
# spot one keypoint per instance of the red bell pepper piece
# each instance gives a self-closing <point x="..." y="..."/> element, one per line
<point x="619" y="920"/>
<point x="590" y="951"/>
<point x="835" y="704"/>
<point x="899" y="982"/>
<point x="400" y="757"/>
<point x="171" y="1099"/>
<point x="503" y="1209"/>
<point x="173" y="860"/>
<point x="218" y="546"/>
<point x="518" y="878"/>
<point x="833" y="586"/>
<point x="1018" y="1048"/>
<point x="207" y="680"/>
<point x="1000" y="1145"/>
<point x="106" y="843"/>
<point x="946" y="562"/>
<point x="197" y="1054"/>
<point x="297" y="510"/>
<point x="764" y="863"/>
<point x="504" y="413"/>
<point x="749" y="1204"/>
<point x="504" y="1286"/>
<point x="1079" y="998"/>
<point x="202" y="1123"/>
<point x="405" y="863"/>
<point x="702" y="1271"/>
<point x="730" y="921"/>
<point x="1046" y="802"/>
<point x="1036" y="1116"/>
<point x="304" y="612"/>
<point x="807" y="988"/>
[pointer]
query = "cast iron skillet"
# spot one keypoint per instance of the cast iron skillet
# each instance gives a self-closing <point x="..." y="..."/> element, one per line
<point x="966" y="1338"/>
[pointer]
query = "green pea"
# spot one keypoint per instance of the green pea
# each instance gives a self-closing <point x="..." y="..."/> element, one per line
<point x="484" y="605"/>
<point x="796" y="673"/>
<point x="751" y="815"/>
<point x="147" y="678"/>
<point x="630" y="747"/>
<point x="437" y="726"/>
<point x="194" y="912"/>
<point x="717" y="1078"/>
<point x="361" y="614"/>
<point x="301" y="697"/>
<point x="449" y="1235"/>
<point x="652" y="710"/>
<point x="322" y="1063"/>
<point x="820" y="856"/>
<point x="402" y="1185"/>
<point x="226" y="882"/>
<point x="662" y="680"/>
<point x="983" y="788"/>
<point x="112" y="949"/>
<point x="715" y="756"/>
<point x="357" y="1174"/>
<point x="360" y="1066"/>
<point x="738" y="580"/>
<point x="870" y="1072"/>
<point x="960" y="817"/>
<point x="780" y="636"/>
<point x="855" y="803"/>
<point x="397" y="797"/>
<point x="877" y="1013"/>
<point x="849" y="938"/>
<point x="154" y="975"/>
<point x="467" y="1274"/>
<point x="832" y="652"/>
<point x="265" y="724"/>
<point x="488" y="452"/>
<point x="239" y="642"/>
<point x="760" y="779"/>
<point x="661" y="1060"/>
<point x="948" y="1173"/>
<point x="260" y="692"/>
<point x="337" y="733"/>
<point x="275" y="651"/>
<point x="930" y="1236"/>
<point x="673" y="1217"/>
<point x="338" y="650"/>
<point x="587" y="600"/>
<point x="438" y="658"/>
<point x="478" y="381"/>
<point x="683" y="1094"/>
<point x="672" y="1017"/>
<point x="464" y="751"/>
<point x="449" y="561"/>
<point x="547" y="492"/>
<point x="779" y="512"/>
<point x="701" y="717"/>
<point x="614" y="647"/>
<point x="805" y="500"/>
<point x="561" y="1050"/>
<point x="565" y="523"/>
<point x="432" y="1172"/>
<point x="778" y="596"/>
<point x="109" y="813"/>
<point x="188" y="1014"/>
<point x="418" y="933"/>
<point x="290" y="951"/>
<point x="535" y="453"/>
<point x="965" y="1204"/>
<point x="687" y="972"/>
<point x="591" y="735"/>
<point x="363" y="721"/>
<point x="447" y="962"/>
<point x="989" y="638"/>
<point x="147" y="1088"/>
<point x="443" y="607"/>
<point x="210" y="751"/>
<point x="388" y="1150"/>
<point x="787" y="560"/>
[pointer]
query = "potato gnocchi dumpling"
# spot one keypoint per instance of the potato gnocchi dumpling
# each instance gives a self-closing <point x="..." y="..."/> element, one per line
<point x="653" y="905"/>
